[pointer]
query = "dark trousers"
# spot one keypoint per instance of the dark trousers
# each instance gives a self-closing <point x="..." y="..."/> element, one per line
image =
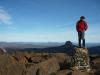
<point x="81" y="37"/>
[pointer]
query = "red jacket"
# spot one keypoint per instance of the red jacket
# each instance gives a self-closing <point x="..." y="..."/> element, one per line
<point x="81" y="26"/>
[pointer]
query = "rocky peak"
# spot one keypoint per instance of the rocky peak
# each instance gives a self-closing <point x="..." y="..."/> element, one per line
<point x="68" y="44"/>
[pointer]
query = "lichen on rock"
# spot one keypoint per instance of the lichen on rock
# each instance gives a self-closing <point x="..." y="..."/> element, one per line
<point x="80" y="59"/>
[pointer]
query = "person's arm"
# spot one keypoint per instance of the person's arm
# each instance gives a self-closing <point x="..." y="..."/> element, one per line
<point x="86" y="26"/>
<point x="77" y="26"/>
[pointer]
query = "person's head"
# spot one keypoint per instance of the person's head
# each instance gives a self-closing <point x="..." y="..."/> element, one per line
<point x="82" y="18"/>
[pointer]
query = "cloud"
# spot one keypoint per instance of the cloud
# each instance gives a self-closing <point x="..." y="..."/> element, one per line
<point x="5" y="17"/>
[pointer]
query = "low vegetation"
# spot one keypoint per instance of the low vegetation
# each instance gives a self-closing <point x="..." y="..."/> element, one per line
<point x="24" y="63"/>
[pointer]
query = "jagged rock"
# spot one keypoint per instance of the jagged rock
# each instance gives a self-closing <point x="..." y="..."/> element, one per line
<point x="20" y="59"/>
<point x="2" y="51"/>
<point x="49" y="66"/>
<point x="81" y="59"/>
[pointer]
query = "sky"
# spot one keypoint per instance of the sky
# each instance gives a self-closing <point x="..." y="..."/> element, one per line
<point x="48" y="20"/>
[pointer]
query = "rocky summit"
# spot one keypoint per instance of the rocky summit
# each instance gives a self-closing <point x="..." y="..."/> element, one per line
<point x="31" y="63"/>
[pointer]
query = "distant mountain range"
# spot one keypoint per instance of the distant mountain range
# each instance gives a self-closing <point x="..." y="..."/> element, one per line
<point x="30" y="44"/>
<point x="39" y="44"/>
<point x="51" y="47"/>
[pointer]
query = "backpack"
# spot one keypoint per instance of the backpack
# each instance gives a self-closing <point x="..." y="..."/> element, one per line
<point x="81" y="26"/>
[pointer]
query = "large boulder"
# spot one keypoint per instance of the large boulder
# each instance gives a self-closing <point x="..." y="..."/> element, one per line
<point x="19" y="57"/>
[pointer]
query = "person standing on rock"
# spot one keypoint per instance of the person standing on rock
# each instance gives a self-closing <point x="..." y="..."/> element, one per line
<point x="81" y="27"/>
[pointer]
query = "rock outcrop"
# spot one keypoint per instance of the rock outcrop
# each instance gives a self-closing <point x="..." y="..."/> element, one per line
<point x="2" y="51"/>
<point x="81" y="59"/>
<point x="22" y="63"/>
